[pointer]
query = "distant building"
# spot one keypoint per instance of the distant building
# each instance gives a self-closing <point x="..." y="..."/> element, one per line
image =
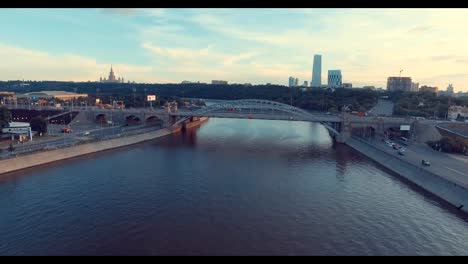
<point x="291" y="81"/>
<point x="219" y="82"/>
<point x="112" y="78"/>
<point x="460" y="94"/>
<point x="399" y="84"/>
<point x="414" y="87"/>
<point x="430" y="89"/>
<point x="186" y="82"/>
<point x="448" y="92"/>
<point x="7" y="97"/>
<point x="47" y="95"/>
<point x="317" y="71"/>
<point x="347" y="85"/>
<point x="334" y="78"/>
<point x="305" y="84"/>
<point x="369" y="87"/>
<point x="247" y="84"/>
<point x="457" y="111"/>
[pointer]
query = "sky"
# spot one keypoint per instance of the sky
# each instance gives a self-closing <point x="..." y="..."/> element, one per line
<point x="255" y="46"/>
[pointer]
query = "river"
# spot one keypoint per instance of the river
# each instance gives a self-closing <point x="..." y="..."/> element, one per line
<point x="230" y="187"/>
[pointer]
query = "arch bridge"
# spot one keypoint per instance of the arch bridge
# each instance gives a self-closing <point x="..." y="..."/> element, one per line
<point x="260" y="109"/>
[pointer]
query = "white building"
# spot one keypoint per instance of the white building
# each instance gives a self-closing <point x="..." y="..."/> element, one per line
<point x="457" y="110"/>
<point x="21" y="130"/>
<point x="334" y="78"/>
<point x="317" y="71"/>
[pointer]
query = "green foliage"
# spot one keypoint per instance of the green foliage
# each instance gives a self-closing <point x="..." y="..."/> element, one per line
<point x="5" y="116"/>
<point x="39" y="124"/>
<point x="312" y="99"/>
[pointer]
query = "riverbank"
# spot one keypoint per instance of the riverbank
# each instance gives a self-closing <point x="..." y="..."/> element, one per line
<point x="449" y="191"/>
<point x="41" y="158"/>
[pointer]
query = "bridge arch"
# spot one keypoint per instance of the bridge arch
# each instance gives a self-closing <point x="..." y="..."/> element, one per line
<point x="101" y="119"/>
<point x="132" y="120"/>
<point x="254" y="108"/>
<point x="153" y="121"/>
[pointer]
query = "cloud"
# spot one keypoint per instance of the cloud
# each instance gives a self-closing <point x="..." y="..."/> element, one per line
<point x="419" y="29"/>
<point x="119" y="11"/>
<point x="39" y="65"/>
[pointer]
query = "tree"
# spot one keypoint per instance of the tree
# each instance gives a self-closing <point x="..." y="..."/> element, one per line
<point x="5" y="117"/>
<point x="39" y="124"/>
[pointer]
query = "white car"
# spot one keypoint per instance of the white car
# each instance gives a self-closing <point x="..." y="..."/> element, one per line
<point x="86" y="133"/>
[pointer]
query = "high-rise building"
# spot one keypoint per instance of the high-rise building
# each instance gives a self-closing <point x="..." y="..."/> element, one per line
<point x="334" y="78"/>
<point x="112" y="78"/>
<point x="291" y="81"/>
<point x="296" y="82"/>
<point x="399" y="84"/>
<point x="317" y="71"/>
<point x="305" y="84"/>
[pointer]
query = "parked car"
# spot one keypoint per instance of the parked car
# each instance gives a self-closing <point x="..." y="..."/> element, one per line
<point x="401" y="152"/>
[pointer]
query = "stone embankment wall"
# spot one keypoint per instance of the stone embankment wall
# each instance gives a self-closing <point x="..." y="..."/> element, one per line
<point x="450" y="192"/>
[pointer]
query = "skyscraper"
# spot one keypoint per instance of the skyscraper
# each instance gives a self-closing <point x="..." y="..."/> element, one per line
<point x="317" y="71"/>
<point x="334" y="78"/>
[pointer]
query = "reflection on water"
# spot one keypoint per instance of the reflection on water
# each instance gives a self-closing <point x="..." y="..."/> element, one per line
<point x="229" y="187"/>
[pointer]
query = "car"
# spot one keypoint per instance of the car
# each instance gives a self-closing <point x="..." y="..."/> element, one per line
<point x="86" y="133"/>
<point x="402" y="153"/>
<point x="425" y="163"/>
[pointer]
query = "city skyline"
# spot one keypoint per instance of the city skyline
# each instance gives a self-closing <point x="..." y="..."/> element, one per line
<point x="237" y="45"/>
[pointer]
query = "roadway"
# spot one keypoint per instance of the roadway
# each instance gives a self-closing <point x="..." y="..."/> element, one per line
<point x="449" y="166"/>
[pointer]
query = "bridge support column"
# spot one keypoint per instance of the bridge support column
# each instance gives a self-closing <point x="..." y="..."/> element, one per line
<point x="345" y="131"/>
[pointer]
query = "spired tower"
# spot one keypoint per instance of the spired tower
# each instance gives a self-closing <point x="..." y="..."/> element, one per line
<point x="112" y="76"/>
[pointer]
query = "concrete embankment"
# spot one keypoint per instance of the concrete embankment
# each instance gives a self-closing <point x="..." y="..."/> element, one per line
<point x="450" y="192"/>
<point x="196" y="122"/>
<point x="41" y="158"/>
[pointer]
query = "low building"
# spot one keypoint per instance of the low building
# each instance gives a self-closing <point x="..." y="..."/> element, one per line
<point x="429" y="89"/>
<point x="347" y="85"/>
<point x="369" y="87"/>
<point x="219" y="82"/>
<point x="18" y="130"/>
<point x="460" y="94"/>
<point x="48" y="95"/>
<point x="7" y="97"/>
<point x="457" y="111"/>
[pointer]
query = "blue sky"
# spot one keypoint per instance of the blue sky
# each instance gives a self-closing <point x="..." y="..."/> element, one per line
<point x="237" y="45"/>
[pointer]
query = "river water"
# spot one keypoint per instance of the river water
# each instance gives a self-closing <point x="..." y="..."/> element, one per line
<point x="230" y="187"/>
